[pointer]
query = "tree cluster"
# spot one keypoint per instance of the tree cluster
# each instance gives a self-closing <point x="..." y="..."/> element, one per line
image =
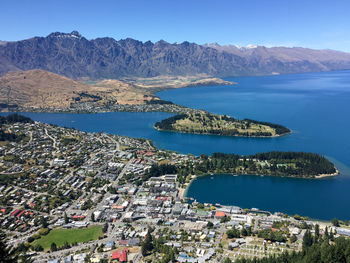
<point x="296" y="164"/>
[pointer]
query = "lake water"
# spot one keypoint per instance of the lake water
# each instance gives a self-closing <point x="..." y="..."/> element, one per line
<point x="315" y="106"/>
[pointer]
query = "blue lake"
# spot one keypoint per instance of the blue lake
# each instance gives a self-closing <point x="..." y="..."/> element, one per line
<point x="316" y="106"/>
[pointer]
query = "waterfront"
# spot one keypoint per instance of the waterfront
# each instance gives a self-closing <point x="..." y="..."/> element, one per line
<point x="316" y="198"/>
<point x="314" y="105"/>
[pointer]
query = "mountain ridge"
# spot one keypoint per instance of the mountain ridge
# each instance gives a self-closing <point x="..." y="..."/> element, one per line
<point x="74" y="56"/>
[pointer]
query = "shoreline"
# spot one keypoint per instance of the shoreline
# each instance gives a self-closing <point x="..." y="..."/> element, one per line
<point x="197" y="133"/>
<point x="186" y="198"/>
<point x="147" y="91"/>
<point x="320" y="176"/>
<point x="211" y="81"/>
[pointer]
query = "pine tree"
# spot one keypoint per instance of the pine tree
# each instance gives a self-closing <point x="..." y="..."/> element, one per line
<point x="105" y="228"/>
<point x="43" y="222"/>
<point x="53" y="247"/>
<point x="307" y="239"/>
<point x="149" y="241"/>
<point x="66" y="219"/>
<point x="317" y="233"/>
<point x="143" y="250"/>
<point x="326" y="233"/>
<point x="147" y="244"/>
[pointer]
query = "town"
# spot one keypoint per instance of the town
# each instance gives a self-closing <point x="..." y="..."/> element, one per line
<point x="96" y="107"/>
<point x="73" y="196"/>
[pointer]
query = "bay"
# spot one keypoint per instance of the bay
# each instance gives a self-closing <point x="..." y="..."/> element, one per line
<point x="316" y="198"/>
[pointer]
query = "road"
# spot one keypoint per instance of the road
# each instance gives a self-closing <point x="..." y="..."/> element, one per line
<point x="117" y="144"/>
<point x="52" y="138"/>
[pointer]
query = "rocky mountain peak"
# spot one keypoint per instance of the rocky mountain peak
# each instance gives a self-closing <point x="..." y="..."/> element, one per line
<point x="73" y="34"/>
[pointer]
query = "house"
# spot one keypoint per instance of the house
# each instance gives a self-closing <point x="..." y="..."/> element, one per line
<point x="134" y="242"/>
<point x="295" y="231"/>
<point x="108" y="246"/>
<point x="129" y="242"/>
<point x="97" y="214"/>
<point x="220" y="214"/>
<point x="81" y="224"/>
<point x="343" y="231"/>
<point x="16" y="212"/>
<point x="95" y="260"/>
<point x="121" y="256"/>
<point x="58" y="162"/>
<point x="233" y="245"/>
<point x="78" y="217"/>
<point x="68" y="259"/>
<point x="79" y="257"/>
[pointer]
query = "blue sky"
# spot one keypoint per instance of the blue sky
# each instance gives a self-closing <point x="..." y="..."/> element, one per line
<point x="316" y="24"/>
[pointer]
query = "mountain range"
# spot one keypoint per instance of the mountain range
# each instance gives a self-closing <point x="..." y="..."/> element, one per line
<point x="74" y="56"/>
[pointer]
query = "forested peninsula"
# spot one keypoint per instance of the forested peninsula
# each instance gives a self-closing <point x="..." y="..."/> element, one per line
<point x="287" y="164"/>
<point x="202" y="122"/>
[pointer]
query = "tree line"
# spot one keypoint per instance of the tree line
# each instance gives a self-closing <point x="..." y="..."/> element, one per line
<point x="13" y="118"/>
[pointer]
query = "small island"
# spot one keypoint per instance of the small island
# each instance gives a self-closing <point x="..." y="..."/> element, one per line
<point x="202" y="122"/>
<point x="287" y="164"/>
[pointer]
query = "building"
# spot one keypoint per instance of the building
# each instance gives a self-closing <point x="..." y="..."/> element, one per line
<point x="220" y="214"/>
<point x="170" y="178"/>
<point x="343" y="231"/>
<point x="121" y="256"/>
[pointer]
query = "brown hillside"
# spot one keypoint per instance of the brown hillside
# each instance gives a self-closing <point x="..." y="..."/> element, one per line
<point x="39" y="88"/>
<point x="43" y="89"/>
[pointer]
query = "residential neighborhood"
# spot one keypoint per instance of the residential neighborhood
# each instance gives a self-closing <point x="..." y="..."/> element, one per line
<point x="73" y="196"/>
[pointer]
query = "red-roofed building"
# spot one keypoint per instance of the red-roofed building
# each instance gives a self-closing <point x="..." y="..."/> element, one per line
<point x="121" y="256"/>
<point x="78" y="217"/>
<point x="21" y="213"/>
<point x="149" y="153"/>
<point x="220" y="214"/>
<point x="16" y="212"/>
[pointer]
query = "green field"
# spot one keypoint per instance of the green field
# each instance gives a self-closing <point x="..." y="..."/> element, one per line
<point x="60" y="236"/>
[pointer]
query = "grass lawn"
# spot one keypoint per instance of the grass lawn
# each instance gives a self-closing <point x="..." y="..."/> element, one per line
<point x="60" y="235"/>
